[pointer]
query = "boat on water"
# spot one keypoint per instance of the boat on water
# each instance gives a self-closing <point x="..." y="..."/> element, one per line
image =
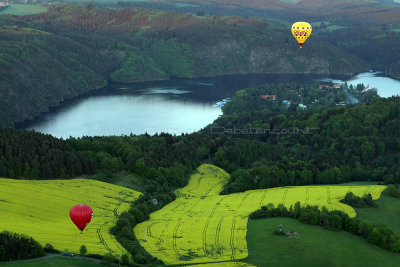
<point x="222" y="102"/>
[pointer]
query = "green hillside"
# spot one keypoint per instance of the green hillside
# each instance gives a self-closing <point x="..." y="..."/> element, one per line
<point x="387" y="212"/>
<point x="315" y="246"/>
<point x="73" y="49"/>
<point x="56" y="261"/>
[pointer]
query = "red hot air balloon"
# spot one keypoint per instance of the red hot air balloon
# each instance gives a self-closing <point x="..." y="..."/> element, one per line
<point x="81" y="215"/>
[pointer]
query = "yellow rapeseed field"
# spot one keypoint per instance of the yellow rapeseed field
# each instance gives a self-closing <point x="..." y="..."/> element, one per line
<point x="41" y="209"/>
<point x="202" y="226"/>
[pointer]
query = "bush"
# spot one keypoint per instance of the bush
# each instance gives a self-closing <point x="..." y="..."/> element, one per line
<point x="388" y="179"/>
<point x="95" y="256"/>
<point x="357" y="202"/>
<point x="50" y="249"/>
<point x="280" y="233"/>
<point x="108" y="259"/>
<point x="125" y="259"/>
<point x="83" y="250"/>
<point x="394" y="191"/>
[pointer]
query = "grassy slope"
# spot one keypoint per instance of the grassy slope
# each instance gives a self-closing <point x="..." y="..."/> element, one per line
<point x="315" y="247"/>
<point x="41" y="209"/>
<point x="20" y="10"/>
<point x="203" y="226"/>
<point x="57" y="261"/>
<point x="387" y="213"/>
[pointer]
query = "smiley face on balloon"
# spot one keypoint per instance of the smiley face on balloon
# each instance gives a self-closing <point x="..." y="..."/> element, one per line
<point x="81" y="215"/>
<point x="301" y="31"/>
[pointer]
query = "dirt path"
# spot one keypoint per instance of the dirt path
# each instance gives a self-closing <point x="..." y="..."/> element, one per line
<point x="52" y="255"/>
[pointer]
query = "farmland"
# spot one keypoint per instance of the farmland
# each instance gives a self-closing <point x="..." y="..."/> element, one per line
<point x="41" y="209"/>
<point x="315" y="247"/>
<point x="202" y="226"/>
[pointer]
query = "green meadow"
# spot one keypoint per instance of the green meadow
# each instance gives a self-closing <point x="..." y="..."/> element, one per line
<point x="315" y="246"/>
<point x="55" y="261"/>
<point x="387" y="212"/>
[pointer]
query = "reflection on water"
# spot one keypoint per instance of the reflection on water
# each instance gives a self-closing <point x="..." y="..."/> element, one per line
<point x="175" y="106"/>
<point x="386" y="87"/>
<point x="125" y="114"/>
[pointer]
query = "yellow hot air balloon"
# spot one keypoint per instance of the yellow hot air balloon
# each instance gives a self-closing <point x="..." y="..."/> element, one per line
<point x="301" y="31"/>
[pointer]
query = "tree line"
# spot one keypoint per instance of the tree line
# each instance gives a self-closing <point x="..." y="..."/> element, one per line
<point x="14" y="246"/>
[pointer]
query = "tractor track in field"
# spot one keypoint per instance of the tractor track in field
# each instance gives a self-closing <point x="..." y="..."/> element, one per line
<point x="328" y="191"/>
<point x="232" y="243"/>
<point x="284" y="196"/>
<point x="148" y="229"/>
<point x="99" y="230"/>
<point x="366" y="191"/>
<point x="199" y="198"/>
<point x="307" y="197"/>
<point x="211" y="188"/>
<point x="262" y="198"/>
<point x="205" y="232"/>
<point x="216" y="240"/>
<point x="175" y="247"/>
<point x="102" y="239"/>
<point x="115" y="210"/>
<point x="241" y="203"/>
<point x="232" y="237"/>
<point x="179" y="204"/>
<point x="206" y="226"/>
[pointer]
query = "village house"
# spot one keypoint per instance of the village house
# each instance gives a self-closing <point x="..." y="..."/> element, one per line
<point x="270" y="97"/>
<point x="366" y="88"/>
<point x="327" y="86"/>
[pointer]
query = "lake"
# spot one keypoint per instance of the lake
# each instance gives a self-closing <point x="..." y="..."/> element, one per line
<point x="385" y="86"/>
<point x="175" y="106"/>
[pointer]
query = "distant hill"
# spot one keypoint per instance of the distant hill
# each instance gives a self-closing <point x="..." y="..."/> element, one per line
<point x="298" y="4"/>
<point x="73" y="49"/>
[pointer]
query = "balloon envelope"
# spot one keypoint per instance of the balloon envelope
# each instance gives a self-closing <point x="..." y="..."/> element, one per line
<point x="301" y="31"/>
<point x="81" y="215"/>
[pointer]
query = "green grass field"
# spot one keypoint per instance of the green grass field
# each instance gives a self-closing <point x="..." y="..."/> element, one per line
<point x="56" y="261"/>
<point x="41" y="209"/>
<point x="201" y="226"/>
<point x="388" y="212"/>
<point x="20" y="10"/>
<point x="316" y="246"/>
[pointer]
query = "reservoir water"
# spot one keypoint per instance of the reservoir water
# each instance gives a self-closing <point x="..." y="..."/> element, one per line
<point x="175" y="106"/>
<point x="385" y="86"/>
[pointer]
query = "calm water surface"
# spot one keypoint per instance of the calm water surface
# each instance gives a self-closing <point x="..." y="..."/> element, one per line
<point x="385" y="86"/>
<point x="175" y="106"/>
